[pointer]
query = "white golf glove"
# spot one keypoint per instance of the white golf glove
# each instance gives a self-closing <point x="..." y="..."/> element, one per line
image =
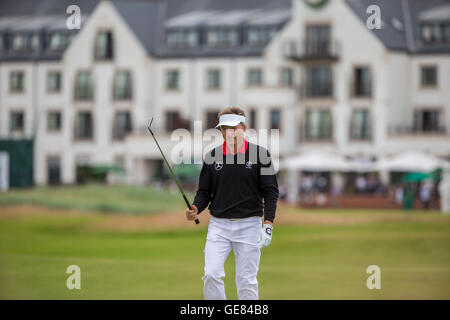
<point x="265" y="236"/>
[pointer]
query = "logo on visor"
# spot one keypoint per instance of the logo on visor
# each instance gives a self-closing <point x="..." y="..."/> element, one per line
<point x="248" y="164"/>
<point x="218" y="166"/>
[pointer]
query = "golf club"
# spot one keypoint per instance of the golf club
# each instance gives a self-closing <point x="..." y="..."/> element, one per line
<point x="170" y="169"/>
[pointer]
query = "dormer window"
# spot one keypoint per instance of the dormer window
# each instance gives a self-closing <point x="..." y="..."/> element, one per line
<point x="18" y="42"/>
<point x="35" y="42"/>
<point x="436" y="32"/>
<point x="104" y="46"/>
<point x="260" y="35"/>
<point x="60" y="40"/>
<point x="182" y="38"/>
<point x="222" y="37"/>
<point x="24" y="41"/>
<point x="56" y="41"/>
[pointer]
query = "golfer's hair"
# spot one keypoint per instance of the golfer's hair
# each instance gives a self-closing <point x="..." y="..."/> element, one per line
<point x="232" y="110"/>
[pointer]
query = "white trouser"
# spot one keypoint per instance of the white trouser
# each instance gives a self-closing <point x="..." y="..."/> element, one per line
<point x="242" y="236"/>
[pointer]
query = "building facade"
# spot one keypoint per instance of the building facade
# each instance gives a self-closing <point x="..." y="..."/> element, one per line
<point x="312" y="69"/>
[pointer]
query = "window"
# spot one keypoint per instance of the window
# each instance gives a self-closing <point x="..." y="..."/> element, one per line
<point x="362" y="82"/>
<point x="172" y="118"/>
<point x="275" y="119"/>
<point x="175" y="121"/>
<point x="56" y="41"/>
<point x="35" y="42"/>
<point x="54" y="170"/>
<point x="54" y="81"/>
<point x="212" y="119"/>
<point x="318" y="81"/>
<point x="84" y="126"/>
<point x="317" y="40"/>
<point x="286" y="77"/>
<point x="16" y="121"/>
<point x="54" y="121"/>
<point x="16" y="81"/>
<point x="182" y="38"/>
<point x="172" y="78"/>
<point x="60" y="40"/>
<point x="436" y="32"/>
<point x="360" y="125"/>
<point x="104" y="46"/>
<point x="427" y="121"/>
<point x="429" y="76"/>
<point x="318" y="125"/>
<point x="254" y="77"/>
<point x="253" y="123"/>
<point x="18" y="42"/>
<point x="213" y="77"/>
<point x="122" y="86"/>
<point x="84" y="86"/>
<point x="122" y="125"/>
<point x="222" y="37"/>
<point x="258" y="36"/>
<point x="25" y="41"/>
<point x="83" y="163"/>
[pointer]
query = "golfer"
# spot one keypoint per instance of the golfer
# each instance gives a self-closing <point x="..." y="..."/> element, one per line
<point x="235" y="179"/>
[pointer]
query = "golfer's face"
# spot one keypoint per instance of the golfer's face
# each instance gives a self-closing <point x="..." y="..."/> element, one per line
<point x="233" y="134"/>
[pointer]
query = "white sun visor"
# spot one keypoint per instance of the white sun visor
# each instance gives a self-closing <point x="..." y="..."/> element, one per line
<point x="231" y="120"/>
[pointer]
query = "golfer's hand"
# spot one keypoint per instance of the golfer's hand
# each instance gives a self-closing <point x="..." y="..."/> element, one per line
<point x="192" y="214"/>
<point x="265" y="236"/>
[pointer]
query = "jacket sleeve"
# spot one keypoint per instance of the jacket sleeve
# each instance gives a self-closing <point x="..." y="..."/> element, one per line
<point x="203" y="195"/>
<point x="268" y="187"/>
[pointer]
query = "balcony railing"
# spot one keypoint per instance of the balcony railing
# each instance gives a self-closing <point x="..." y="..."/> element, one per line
<point x="411" y="130"/>
<point x="316" y="90"/>
<point x="307" y="50"/>
<point x="324" y="135"/>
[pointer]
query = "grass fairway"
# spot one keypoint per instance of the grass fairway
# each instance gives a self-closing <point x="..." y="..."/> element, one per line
<point x="116" y="198"/>
<point x="318" y="254"/>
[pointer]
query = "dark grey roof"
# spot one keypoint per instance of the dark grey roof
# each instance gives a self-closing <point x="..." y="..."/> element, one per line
<point x="441" y="13"/>
<point x="418" y="7"/>
<point x="43" y="7"/>
<point x="142" y="18"/>
<point x="162" y="15"/>
<point x="43" y="16"/>
<point x="150" y="20"/>
<point x="402" y="21"/>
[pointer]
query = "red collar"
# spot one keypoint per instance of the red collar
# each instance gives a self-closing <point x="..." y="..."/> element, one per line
<point x="243" y="148"/>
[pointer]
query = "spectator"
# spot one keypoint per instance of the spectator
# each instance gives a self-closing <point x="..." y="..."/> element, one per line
<point x="321" y="184"/>
<point x="399" y="195"/>
<point x="425" y="195"/>
<point x="283" y="192"/>
<point x="372" y="184"/>
<point x="361" y="184"/>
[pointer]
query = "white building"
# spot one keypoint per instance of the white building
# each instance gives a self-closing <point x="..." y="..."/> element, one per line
<point x="311" y="68"/>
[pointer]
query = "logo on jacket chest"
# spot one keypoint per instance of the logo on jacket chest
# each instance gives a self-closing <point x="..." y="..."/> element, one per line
<point x="218" y="165"/>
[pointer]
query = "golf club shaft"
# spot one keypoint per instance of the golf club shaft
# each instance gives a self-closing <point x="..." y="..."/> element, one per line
<point x="172" y="173"/>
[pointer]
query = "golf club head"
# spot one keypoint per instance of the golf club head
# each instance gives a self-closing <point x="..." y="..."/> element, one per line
<point x="150" y="123"/>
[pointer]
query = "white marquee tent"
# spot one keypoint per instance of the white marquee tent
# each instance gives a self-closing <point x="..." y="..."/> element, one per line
<point x="316" y="161"/>
<point x="410" y="161"/>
